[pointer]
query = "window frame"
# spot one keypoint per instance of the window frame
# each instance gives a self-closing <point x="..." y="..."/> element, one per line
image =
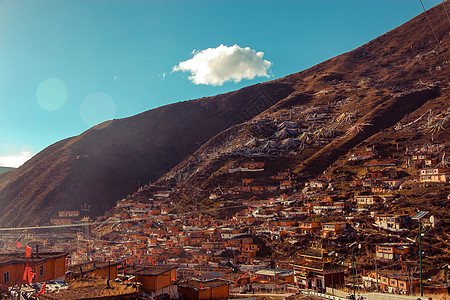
<point x="6" y="274"/>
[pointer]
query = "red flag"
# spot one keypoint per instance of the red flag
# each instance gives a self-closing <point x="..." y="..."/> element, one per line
<point x="27" y="251"/>
<point x="28" y="274"/>
<point x="42" y="291"/>
<point x="19" y="245"/>
<point x="25" y="273"/>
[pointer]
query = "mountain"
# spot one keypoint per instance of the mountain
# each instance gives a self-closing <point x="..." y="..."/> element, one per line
<point x="392" y="92"/>
<point x="306" y="122"/>
<point x="111" y="160"/>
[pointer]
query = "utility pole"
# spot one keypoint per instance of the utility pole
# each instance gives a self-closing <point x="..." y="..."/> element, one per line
<point x="418" y="217"/>
<point x="331" y="254"/>
<point x="353" y="273"/>
<point x="420" y="257"/>
<point x="332" y="275"/>
<point x="354" y="266"/>
<point x="376" y="271"/>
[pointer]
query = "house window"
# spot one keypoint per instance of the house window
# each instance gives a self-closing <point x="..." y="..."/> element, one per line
<point x="6" y="277"/>
<point x="41" y="270"/>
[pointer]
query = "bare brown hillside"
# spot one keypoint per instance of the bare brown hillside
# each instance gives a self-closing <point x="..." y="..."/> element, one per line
<point x="358" y="98"/>
<point x="110" y="161"/>
<point x="305" y="122"/>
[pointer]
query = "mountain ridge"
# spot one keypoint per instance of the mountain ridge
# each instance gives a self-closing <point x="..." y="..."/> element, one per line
<point x="110" y="161"/>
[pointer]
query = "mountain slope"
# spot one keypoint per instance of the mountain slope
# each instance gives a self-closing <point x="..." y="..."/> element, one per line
<point x="109" y="161"/>
<point x="355" y="99"/>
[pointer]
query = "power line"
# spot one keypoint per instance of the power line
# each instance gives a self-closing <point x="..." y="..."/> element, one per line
<point x="445" y="9"/>
<point x="434" y="33"/>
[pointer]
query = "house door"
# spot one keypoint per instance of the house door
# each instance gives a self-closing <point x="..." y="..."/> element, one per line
<point x="310" y="284"/>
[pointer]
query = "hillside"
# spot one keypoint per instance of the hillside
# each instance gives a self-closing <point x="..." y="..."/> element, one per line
<point x="111" y="160"/>
<point x="306" y="122"/>
<point x="393" y="90"/>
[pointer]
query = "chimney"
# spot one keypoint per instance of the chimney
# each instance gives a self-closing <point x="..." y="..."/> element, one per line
<point x="37" y="249"/>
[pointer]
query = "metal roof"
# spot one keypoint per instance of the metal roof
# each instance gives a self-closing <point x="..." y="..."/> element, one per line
<point x="420" y="215"/>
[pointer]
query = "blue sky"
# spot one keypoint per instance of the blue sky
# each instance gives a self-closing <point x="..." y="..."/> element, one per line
<point x="67" y="65"/>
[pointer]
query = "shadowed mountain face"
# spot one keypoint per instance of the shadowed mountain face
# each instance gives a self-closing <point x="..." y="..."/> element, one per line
<point x="109" y="161"/>
<point x="358" y="97"/>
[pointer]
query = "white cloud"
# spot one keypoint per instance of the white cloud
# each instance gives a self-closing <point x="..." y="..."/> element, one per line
<point x="15" y="160"/>
<point x="214" y="66"/>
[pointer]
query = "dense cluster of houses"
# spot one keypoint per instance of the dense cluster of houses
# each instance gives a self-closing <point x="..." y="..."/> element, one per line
<point x="315" y="270"/>
<point x="200" y="256"/>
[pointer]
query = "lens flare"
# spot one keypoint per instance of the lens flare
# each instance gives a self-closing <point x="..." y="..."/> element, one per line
<point x="51" y="94"/>
<point x="96" y="108"/>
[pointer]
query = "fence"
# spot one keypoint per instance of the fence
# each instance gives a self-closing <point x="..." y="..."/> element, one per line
<point x="338" y="294"/>
<point x="387" y="296"/>
<point x="326" y="296"/>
